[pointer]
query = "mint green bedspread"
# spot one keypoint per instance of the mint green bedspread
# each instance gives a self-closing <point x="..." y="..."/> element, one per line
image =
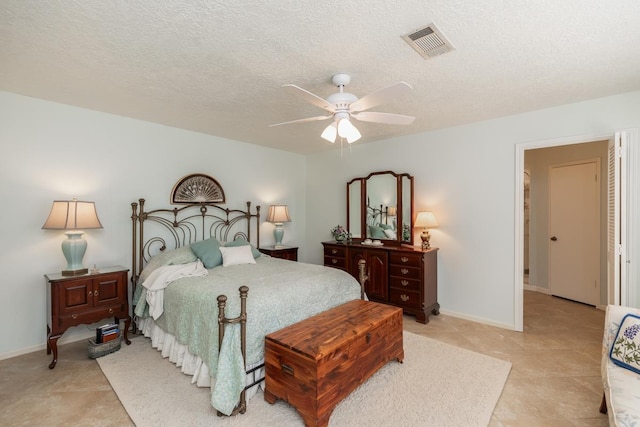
<point x="280" y="293"/>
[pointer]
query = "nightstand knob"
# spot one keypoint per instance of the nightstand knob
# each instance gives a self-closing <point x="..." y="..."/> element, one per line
<point x="404" y="271"/>
<point x="334" y="261"/>
<point x="90" y="293"/>
<point x="404" y="259"/>
<point x="74" y="316"/>
<point x="334" y="251"/>
<point x="404" y="282"/>
<point x="111" y="311"/>
<point x="95" y="293"/>
<point x="404" y="298"/>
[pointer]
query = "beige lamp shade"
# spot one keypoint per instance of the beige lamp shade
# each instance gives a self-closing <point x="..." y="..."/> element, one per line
<point x="278" y="214"/>
<point x="426" y="220"/>
<point x="72" y="215"/>
<point x="392" y="211"/>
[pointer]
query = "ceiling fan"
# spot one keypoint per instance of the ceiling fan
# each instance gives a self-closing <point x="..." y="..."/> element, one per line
<point x="344" y="106"/>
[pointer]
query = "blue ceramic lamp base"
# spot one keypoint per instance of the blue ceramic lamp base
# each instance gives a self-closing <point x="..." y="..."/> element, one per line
<point x="73" y="249"/>
<point x="278" y="233"/>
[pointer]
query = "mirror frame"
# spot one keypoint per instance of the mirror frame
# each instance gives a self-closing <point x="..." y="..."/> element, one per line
<point x="401" y="209"/>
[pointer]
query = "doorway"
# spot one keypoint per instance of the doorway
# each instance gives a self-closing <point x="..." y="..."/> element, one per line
<point x="535" y="158"/>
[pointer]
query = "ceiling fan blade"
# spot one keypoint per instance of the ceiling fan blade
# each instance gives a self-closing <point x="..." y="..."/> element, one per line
<point x="388" y="118"/>
<point x="381" y="96"/>
<point x="310" y="97"/>
<point x="308" y="119"/>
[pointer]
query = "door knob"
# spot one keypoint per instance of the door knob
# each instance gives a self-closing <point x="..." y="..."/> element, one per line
<point x="554" y="238"/>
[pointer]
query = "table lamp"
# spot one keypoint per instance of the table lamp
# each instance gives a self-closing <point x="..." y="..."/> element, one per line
<point x="73" y="215"/>
<point x="426" y="220"/>
<point x="277" y="215"/>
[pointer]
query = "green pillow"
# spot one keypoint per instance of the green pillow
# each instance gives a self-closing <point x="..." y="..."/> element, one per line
<point x="376" y="232"/>
<point x="242" y="242"/>
<point x="208" y="251"/>
<point x="385" y="226"/>
<point x="182" y="255"/>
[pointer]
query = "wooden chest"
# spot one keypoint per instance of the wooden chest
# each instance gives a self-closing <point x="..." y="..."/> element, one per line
<point x="317" y="362"/>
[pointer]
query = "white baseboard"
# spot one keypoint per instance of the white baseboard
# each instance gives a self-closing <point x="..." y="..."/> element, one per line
<point x="535" y="288"/>
<point x="43" y="347"/>
<point x="478" y="319"/>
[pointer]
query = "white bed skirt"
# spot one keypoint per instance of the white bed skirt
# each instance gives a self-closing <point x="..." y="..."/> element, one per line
<point x="190" y="364"/>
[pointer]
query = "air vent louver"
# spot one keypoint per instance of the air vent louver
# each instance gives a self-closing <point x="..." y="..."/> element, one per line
<point x="428" y="41"/>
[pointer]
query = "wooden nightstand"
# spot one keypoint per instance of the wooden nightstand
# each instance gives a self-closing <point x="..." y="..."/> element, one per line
<point x="85" y="299"/>
<point x="285" y="252"/>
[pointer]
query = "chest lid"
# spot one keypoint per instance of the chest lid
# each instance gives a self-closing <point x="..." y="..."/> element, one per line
<point x="323" y="333"/>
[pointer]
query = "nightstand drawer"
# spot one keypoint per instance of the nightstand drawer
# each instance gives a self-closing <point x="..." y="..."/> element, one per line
<point x="89" y="317"/>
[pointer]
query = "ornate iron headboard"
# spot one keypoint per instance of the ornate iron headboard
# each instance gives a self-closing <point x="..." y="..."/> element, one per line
<point x="161" y="229"/>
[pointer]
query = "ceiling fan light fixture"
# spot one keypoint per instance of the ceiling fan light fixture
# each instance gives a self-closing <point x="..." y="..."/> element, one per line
<point x="347" y="130"/>
<point x="329" y="133"/>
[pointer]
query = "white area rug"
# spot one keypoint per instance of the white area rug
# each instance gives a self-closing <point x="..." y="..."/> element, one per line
<point x="437" y="385"/>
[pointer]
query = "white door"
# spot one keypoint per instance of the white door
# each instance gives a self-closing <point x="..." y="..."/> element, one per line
<point x="574" y="231"/>
<point x="617" y="220"/>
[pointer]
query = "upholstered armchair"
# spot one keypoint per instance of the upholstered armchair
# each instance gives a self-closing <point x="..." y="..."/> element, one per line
<point x="621" y="381"/>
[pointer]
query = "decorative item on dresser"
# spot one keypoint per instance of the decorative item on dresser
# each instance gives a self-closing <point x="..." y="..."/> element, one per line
<point x="85" y="299"/>
<point x="426" y="220"/>
<point x="282" y="252"/>
<point x="404" y="276"/>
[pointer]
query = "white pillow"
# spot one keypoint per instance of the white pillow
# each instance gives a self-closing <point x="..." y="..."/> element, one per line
<point x="236" y="255"/>
<point x="390" y="233"/>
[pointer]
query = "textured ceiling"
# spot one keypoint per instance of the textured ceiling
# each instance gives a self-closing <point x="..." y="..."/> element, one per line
<point x="217" y="66"/>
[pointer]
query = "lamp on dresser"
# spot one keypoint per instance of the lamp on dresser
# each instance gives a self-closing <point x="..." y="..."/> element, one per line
<point x="277" y="215"/>
<point x="426" y="220"/>
<point x="73" y="216"/>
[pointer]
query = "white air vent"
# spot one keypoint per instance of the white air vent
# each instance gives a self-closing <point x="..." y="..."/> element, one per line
<point x="428" y="41"/>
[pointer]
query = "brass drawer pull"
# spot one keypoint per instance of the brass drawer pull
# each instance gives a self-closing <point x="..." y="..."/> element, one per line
<point x="404" y="297"/>
<point x="404" y="259"/>
<point x="334" y="251"/>
<point x="111" y="311"/>
<point x="334" y="261"/>
<point x="90" y="293"/>
<point x="95" y="293"/>
<point x="404" y="282"/>
<point x="74" y="316"/>
<point x="404" y="271"/>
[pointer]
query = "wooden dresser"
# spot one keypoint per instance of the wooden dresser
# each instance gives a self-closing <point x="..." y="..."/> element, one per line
<point x="404" y="276"/>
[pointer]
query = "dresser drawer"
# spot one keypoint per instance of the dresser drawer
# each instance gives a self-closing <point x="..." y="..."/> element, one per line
<point x="335" y="251"/>
<point x="404" y="283"/>
<point x="405" y="298"/>
<point x="404" y="271"/>
<point x="335" y="262"/>
<point x="406" y="258"/>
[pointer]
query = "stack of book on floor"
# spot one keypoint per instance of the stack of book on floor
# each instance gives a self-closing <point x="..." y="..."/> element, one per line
<point x="106" y="333"/>
<point x="107" y="341"/>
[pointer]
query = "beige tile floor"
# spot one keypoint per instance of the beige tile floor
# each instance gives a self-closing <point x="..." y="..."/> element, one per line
<point x="555" y="379"/>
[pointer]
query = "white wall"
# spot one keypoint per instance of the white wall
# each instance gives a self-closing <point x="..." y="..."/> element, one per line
<point x="54" y="151"/>
<point x="466" y="175"/>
